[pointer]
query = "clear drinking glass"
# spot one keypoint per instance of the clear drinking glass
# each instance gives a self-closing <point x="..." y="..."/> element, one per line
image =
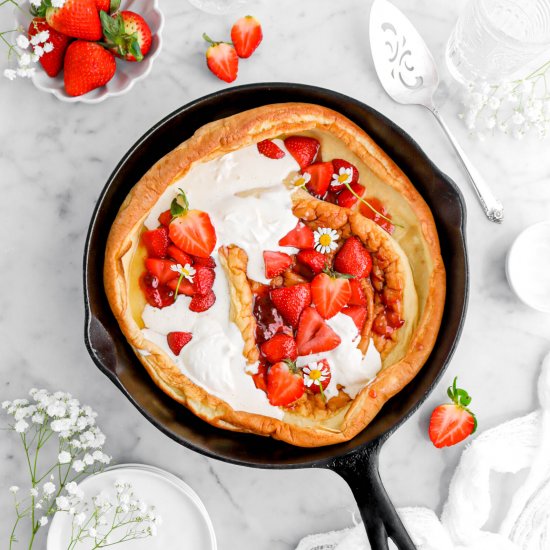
<point x="495" y="38"/>
<point x="218" y="7"/>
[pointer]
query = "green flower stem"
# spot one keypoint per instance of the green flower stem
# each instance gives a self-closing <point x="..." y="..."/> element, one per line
<point x="178" y="286"/>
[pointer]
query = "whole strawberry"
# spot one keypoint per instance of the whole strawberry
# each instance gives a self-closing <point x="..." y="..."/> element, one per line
<point x="77" y="18"/>
<point x="127" y="35"/>
<point x="87" y="66"/>
<point x="52" y="61"/>
<point x="452" y="423"/>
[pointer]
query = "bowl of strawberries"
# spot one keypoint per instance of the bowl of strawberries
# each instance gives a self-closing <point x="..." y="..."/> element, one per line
<point x="89" y="50"/>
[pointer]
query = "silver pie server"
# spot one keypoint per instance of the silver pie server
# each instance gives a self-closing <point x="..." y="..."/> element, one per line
<point x="409" y="75"/>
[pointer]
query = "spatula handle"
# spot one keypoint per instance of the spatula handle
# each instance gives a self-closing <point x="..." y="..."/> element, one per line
<point x="491" y="205"/>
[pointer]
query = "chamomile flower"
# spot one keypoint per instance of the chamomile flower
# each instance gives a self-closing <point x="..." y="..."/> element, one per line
<point x="187" y="272"/>
<point x="326" y="239"/>
<point x="343" y="177"/>
<point x="316" y="373"/>
<point x="300" y="180"/>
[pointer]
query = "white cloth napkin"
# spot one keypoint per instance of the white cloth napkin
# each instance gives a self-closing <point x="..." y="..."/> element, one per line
<point x="521" y="443"/>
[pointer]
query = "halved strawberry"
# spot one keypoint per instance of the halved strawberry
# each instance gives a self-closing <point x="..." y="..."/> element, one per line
<point x="191" y="230"/>
<point x="358" y="314"/>
<point x="321" y="174"/>
<point x="290" y="301"/>
<point x="317" y="376"/>
<point x="202" y="302"/>
<point x="284" y="383"/>
<point x="299" y="237"/>
<point x="222" y="59"/>
<point x="177" y="340"/>
<point x="353" y="258"/>
<point x="303" y="149"/>
<point x="185" y="287"/>
<point x="314" y="335"/>
<point x="165" y="218"/>
<point x="52" y="61"/>
<point x="346" y="199"/>
<point x="270" y="149"/>
<point x="156" y="294"/>
<point x="358" y="297"/>
<point x="370" y="213"/>
<point x="279" y="347"/>
<point x="207" y="262"/>
<point x="246" y="35"/>
<point x="330" y="293"/>
<point x="156" y="242"/>
<point x="452" y="423"/>
<point x="161" y="269"/>
<point x="260" y="378"/>
<point x="343" y="171"/>
<point x="276" y="263"/>
<point x="203" y="279"/>
<point x="316" y="261"/>
<point x="179" y="255"/>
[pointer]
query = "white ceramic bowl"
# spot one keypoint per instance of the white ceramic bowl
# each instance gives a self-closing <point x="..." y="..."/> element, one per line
<point x="127" y="73"/>
<point x="528" y="266"/>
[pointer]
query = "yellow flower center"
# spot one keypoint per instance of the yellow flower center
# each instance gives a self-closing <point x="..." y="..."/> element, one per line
<point x="299" y="182"/>
<point x="342" y="178"/>
<point x="325" y="239"/>
<point x="315" y="374"/>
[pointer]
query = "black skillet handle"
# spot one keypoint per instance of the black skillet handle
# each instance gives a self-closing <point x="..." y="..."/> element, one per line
<point x="360" y="470"/>
<point x="100" y="345"/>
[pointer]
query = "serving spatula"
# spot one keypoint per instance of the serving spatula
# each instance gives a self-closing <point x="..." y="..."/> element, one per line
<point x="408" y="73"/>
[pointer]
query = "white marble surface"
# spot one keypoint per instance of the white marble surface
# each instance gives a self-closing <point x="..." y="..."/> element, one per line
<point x="54" y="161"/>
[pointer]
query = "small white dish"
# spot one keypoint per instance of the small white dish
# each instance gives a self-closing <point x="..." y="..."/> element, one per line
<point x="127" y="73"/>
<point x="528" y="266"/>
<point x="186" y="524"/>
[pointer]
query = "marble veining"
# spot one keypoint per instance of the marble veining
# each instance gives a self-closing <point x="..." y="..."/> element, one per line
<point x="54" y="161"/>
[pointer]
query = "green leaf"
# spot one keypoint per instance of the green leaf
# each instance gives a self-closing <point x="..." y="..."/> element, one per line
<point x="115" y="4"/>
<point x="336" y="274"/>
<point x="135" y="50"/>
<point x="180" y="205"/>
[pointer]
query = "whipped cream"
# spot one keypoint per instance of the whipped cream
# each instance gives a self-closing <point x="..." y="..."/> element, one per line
<point x="250" y="207"/>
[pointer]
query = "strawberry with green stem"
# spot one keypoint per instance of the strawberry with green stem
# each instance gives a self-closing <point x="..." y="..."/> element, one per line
<point x="222" y="59"/>
<point x="330" y="292"/>
<point x="126" y="34"/>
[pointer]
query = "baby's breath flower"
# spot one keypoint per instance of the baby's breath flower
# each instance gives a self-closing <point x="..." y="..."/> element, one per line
<point x="64" y="457"/>
<point x="21" y="426"/>
<point x="49" y="488"/>
<point x="14" y="489"/>
<point x="22" y="42"/>
<point x="43" y="521"/>
<point x="33" y="492"/>
<point x="48" y="47"/>
<point x="78" y="466"/>
<point x="62" y="503"/>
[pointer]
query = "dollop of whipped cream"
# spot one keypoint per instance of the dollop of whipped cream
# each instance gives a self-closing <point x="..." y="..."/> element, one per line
<point x="249" y="206"/>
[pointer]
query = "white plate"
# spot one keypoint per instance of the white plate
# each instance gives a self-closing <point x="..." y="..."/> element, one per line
<point x="127" y="73"/>
<point x="528" y="266"/>
<point x="185" y="521"/>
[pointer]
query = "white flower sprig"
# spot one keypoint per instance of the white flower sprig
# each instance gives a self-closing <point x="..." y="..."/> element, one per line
<point x="515" y="108"/>
<point x="52" y="418"/>
<point x="113" y="517"/>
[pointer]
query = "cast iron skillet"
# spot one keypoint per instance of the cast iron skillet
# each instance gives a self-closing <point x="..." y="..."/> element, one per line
<point x="357" y="460"/>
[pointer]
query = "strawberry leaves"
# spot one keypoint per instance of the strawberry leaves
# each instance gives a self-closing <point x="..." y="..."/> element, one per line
<point x="116" y="37"/>
<point x="461" y="398"/>
<point x="180" y="205"/>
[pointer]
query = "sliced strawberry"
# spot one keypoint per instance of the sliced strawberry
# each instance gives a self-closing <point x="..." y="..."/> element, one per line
<point x="276" y="263"/>
<point x="375" y="216"/>
<point x="353" y="258"/>
<point x="202" y="302"/>
<point x="317" y="376"/>
<point x="284" y="383"/>
<point x="193" y="233"/>
<point x="161" y="269"/>
<point x="343" y="172"/>
<point x="165" y="218"/>
<point x="330" y="294"/>
<point x="454" y="422"/>
<point x="246" y="35"/>
<point x="270" y="149"/>
<point x="321" y="174"/>
<point x="260" y="378"/>
<point x="185" y="287"/>
<point x="358" y="314"/>
<point x="314" y="335"/>
<point x="279" y="347"/>
<point x="346" y="199"/>
<point x="179" y="255"/>
<point x="290" y="301"/>
<point x="268" y="319"/>
<point x="303" y="149"/>
<point x="222" y="60"/>
<point x="299" y="237"/>
<point x="316" y="261"/>
<point x="157" y="295"/>
<point x="358" y="297"/>
<point x="177" y="340"/>
<point x="52" y="61"/>
<point x="156" y="242"/>
<point x="207" y="262"/>
<point x="203" y="279"/>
